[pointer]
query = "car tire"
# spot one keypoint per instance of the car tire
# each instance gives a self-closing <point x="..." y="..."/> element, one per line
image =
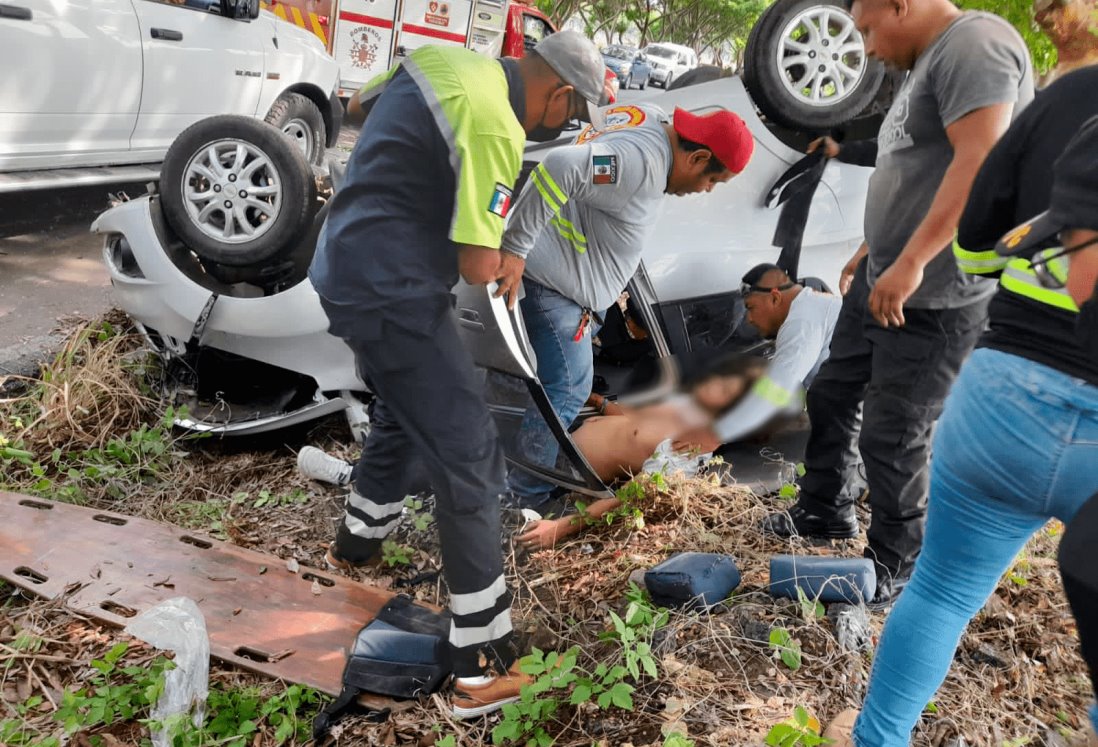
<point x="781" y="80"/>
<point x="701" y="74"/>
<point x="219" y="154"/>
<point x="668" y="82"/>
<point x="301" y="121"/>
<point x="627" y="83"/>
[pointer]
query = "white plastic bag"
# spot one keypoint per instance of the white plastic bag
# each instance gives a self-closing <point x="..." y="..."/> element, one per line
<point x="177" y="625"/>
<point x="668" y="461"/>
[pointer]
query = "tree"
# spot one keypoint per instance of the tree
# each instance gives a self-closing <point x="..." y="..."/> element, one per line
<point x="1019" y="13"/>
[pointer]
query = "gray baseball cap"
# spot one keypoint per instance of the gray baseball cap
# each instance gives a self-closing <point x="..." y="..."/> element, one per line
<point x="578" y="62"/>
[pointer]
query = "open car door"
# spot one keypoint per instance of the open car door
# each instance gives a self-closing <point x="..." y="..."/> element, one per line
<point x="497" y="339"/>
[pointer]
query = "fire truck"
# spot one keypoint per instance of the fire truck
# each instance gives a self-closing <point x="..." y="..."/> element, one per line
<point x="367" y="37"/>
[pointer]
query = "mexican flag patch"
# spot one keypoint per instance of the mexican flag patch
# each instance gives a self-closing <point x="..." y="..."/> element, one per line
<point x="500" y="203"/>
<point x="604" y="169"/>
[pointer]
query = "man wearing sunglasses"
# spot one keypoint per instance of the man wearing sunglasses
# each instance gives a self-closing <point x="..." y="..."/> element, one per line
<point x="1017" y="443"/>
<point x="575" y="239"/>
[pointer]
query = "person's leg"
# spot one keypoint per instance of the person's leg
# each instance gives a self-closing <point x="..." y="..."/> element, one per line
<point x="1080" y="576"/>
<point x="433" y="397"/>
<point x="1000" y="439"/>
<point x="565" y="367"/>
<point x="913" y="369"/>
<point x="834" y="402"/>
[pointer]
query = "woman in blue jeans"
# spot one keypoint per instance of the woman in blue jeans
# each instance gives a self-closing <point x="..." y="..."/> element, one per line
<point x="1018" y="440"/>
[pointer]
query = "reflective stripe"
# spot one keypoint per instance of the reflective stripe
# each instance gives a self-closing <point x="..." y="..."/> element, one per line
<point x="546" y="195"/>
<point x="772" y="392"/>
<point x="374" y="510"/>
<point x="360" y="529"/>
<point x="543" y="173"/>
<point x="1056" y="262"/>
<point x="978" y="263"/>
<point x="570" y="233"/>
<point x="1019" y="277"/>
<point x="493" y="631"/>
<point x="478" y="601"/>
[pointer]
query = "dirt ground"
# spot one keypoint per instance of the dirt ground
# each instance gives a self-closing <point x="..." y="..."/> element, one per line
<point x="719" y="680"/>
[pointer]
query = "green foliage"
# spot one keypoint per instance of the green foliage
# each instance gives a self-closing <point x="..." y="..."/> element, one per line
<point x="811" y="609"/>
<point x="558" y="676"/>
<point x="799" y="732"/>
<point x="420" y="518"/>
<point x="394" y="553"/>
<point x="1019" y="13"/>
<point x="115" y="694"/>
<point x="273" y="500"/>
<point x="788" y="647"/>
<point x="788" y="492"/>
<point x="674" y="739"/>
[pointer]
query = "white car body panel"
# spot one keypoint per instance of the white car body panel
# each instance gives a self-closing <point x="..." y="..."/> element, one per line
<point x="52" y="113"/>
<point x="116" y="96"/>
<point x="288" y="330"/>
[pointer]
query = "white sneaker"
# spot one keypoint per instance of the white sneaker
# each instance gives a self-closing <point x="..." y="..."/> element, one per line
<point x="317" y="465"/>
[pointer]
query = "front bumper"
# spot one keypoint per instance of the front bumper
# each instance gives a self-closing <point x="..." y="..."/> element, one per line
<point x="658" y="74"/>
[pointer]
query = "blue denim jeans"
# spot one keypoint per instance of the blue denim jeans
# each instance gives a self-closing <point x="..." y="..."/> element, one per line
<point x="1016" y="445"/>
<point x="566" y="370"/>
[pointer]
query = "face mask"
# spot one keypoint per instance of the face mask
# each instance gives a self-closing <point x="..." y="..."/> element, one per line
<point x="543" y="134"/>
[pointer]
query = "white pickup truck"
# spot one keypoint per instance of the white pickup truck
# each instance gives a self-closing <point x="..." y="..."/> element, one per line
<point x="94" y="91"/>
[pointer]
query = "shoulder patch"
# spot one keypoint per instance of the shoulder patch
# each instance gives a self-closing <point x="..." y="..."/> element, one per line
<point x="604" y="169"/>
<point x="617" y="118"/>
<point x="500" y="204"/>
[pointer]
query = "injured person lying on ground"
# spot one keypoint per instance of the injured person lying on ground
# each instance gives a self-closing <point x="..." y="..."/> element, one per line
<point x="618" y="445"/>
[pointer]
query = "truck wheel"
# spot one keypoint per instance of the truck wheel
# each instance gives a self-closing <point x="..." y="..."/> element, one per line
<point x="701" y="74"/>
<point x="806" y="66"/>
<point x="236" y="191"/>
<point x="300" y="120"/>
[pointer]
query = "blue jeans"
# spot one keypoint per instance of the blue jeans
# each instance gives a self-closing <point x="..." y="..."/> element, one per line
<point x="566" y="369"/>
<point x="1016" y="445"/>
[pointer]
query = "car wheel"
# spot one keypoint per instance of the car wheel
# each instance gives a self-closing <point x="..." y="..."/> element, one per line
<point x="806" y="66"/>
<point x="627" y="83"/>
<point x="668" y="81"/>
<point x="300" y="120"/>
<point x="702" y="74"/>
<point x="236" y="191"/>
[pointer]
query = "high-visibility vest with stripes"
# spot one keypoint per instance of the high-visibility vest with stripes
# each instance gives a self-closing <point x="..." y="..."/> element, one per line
<point x="1018" y="276"/>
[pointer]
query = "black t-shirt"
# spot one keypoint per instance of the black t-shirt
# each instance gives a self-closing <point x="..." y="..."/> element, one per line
<point x="1014" y="184"/>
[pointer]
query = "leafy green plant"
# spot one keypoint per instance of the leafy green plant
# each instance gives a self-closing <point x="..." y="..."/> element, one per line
<point x="394" y="553"/>
<point x="273" y="500"/>
<point x="802" y="729"/>
<point x="674" y="739"/>
<point x="811" y="609"/>
<point x="607" y="686"/>
<point x="420" y="518"/>
<point x="788" y="492"/>
<point x="788" y="647"/>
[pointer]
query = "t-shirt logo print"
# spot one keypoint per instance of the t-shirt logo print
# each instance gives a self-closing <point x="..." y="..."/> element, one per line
<point x="604" y="169"/>
<point x="500" y="203"/>
<point x="894" y="134"/>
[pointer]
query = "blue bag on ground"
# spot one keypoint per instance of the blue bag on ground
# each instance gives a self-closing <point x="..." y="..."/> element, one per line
<point x="850" y="580"/>
<point x="695" y="579"/>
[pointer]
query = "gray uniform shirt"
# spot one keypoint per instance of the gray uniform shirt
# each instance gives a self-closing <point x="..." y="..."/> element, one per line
<point x="978" y="61"/>
<point x="582" y="218"/>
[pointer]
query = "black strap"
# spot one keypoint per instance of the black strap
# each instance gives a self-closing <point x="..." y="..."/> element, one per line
<point x="347" y="701"/>
<point x="795" y="196"/>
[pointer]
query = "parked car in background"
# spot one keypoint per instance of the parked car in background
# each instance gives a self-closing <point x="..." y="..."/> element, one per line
<point x="629" y="64"/>
<point x="669" y="61"/>
<point x="108" y="85"/>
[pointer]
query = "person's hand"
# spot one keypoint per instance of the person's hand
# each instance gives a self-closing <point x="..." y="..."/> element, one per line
<point x="892" y="289"/>
<point x="545" y="533"/>
<point x="846" y="277"/>
<point x="830" y="147"/>
<point x="511" y="267"/>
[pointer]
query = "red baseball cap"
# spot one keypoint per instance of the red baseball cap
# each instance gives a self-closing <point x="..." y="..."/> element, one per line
<point x="722" y="132"/>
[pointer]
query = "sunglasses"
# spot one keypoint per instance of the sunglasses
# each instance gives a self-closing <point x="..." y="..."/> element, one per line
<point x="747" y="288"/>
<point x="1050" y="267"/>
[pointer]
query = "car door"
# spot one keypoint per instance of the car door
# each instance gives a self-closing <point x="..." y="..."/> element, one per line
<point x="71" y="85"/>
<point x="197" y="64"/>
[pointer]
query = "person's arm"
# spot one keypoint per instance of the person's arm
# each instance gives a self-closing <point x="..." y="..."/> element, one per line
<point x="972" y="137"/>
<point x="846" y="277"/>
<point x="478" y="265"/>
<point x="856" y="153"/>
<point x="544" y="533"/>
<point x="1083" y="274"/>
<point x="566" y="173"/>
<point x="362" y="101"/>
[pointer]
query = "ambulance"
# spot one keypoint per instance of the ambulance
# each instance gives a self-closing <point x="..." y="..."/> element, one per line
<point x="367" y="37"/>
